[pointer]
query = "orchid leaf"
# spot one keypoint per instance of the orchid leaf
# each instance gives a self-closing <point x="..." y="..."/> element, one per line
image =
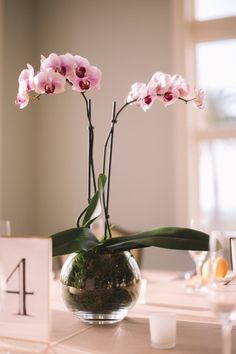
<point x="73" y="240"/>
<point x="90" y="215"/>
<point x="167" y="237"/>
<point x="90" y="210"/>
<point x="101" y="182"/>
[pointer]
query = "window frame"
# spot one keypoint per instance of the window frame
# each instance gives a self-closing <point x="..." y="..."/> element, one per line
<point x="186" y="33"/>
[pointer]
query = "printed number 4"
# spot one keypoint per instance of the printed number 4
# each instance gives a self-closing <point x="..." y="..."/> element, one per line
<point x="21" y="268"/>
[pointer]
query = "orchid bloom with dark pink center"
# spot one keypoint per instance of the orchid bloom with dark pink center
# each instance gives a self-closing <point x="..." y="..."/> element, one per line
<point x="140" y="95"/>
<point x="67" y="64"/>
<point x="164" y="88"/>
<point x="136" y="92"/>
<point x="85" y="77"/>
<point x="177" y="88"/>
<point x="49" y="81"/>
<point x="57" y="70"/>
<point x="63" y="64"/>
<point x="22" y="99"/>
<point x="159" y="83"/>
<point x="161" y="86"/>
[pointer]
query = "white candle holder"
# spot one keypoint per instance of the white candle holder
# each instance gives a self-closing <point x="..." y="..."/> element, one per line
<point x="163" y="329"/>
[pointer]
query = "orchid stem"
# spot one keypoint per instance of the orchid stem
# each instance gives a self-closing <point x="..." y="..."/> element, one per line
<point x="110" y="140"/>
<point x="91" y="171"/>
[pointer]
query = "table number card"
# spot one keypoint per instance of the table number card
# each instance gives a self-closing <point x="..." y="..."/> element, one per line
<point x="26" y="264"/>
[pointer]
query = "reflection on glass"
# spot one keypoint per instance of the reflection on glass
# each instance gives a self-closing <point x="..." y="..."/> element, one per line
<point x="217" y="75"/>
<point x="212" y="9"/>
<point x="217" y="178"/>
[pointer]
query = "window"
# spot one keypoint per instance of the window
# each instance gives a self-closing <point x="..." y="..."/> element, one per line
<point x="205" y="51"/>
<point x="215" y="133"/>
<point x="212" y="9"/>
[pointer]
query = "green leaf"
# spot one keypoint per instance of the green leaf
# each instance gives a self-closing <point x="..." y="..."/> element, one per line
<point x="90" y="209"/>
<point x="94" y="201"/>
<point x="101" y="182"/>
<point x="73" y="240"/>
<point x="167" y="237"/>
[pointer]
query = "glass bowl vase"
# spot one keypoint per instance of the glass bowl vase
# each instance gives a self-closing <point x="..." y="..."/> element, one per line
<point x="100" y="287"/>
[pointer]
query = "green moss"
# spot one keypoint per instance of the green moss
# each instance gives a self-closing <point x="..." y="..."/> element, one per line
<point x="100" y="282"/>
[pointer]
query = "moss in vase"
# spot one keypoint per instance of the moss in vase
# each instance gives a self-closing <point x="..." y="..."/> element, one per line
<point x="100" y="282"/>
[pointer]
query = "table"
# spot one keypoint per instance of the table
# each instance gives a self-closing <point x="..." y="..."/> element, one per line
<point x="198" y="332"/>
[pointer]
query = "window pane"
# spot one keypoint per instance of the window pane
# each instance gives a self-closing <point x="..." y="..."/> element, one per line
<point x="217" y="181"/>
<point x="217" y="75"/>
<point x="212" y="9"/>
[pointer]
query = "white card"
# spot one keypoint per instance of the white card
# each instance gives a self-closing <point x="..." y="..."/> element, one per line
<point x="26" y="264"/>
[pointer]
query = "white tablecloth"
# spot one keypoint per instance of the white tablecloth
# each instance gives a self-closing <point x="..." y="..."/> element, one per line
<point x="198" y="332"/>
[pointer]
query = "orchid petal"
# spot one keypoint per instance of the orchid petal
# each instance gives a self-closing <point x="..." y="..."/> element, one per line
<point x="22" y="99"/>
<point x="49" y="81"/>
<point x="179" y="84"/>
<point x="199" y="98"/>
<point x="26" y="78"/>
<point x="53" y="61"/>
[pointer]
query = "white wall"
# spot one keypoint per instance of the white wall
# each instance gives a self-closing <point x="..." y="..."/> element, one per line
<point x="19" y="134"/>
<point x="131" y="49"/>
<point x="45" y="145"/>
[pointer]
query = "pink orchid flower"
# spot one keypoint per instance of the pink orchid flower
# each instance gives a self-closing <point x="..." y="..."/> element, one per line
<point x="199" y="98"/>
<point x="22" y="99"/>
<point x="178" y="87"/>
<point x="63" y="64"/>
<point x="159" y="83"/>
<point x="160" y="86"/>
<point x="139" y="93"/>
<point x="53" y="61"/>
<point x="26" y="78"/>
<point x="136" y="92"/>
<point x="179" y="84"/>
<point x="49" y="81"/>
<point x="68" y="64"/>
<point x="85" y="77"/>
<point x="168" y="88"/>
<point x="81" y="65"/>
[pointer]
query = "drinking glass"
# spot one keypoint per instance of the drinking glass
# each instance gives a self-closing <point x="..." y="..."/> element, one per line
<point x="222" y="285"/>
<point x="195" y="283"/>
<point x="5" y="228"/>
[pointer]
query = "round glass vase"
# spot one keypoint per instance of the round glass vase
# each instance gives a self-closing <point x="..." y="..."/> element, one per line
<point x="100" y="287"/>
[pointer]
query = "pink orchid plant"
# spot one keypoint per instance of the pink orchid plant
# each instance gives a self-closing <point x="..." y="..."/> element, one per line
<point x="56" y="71"/>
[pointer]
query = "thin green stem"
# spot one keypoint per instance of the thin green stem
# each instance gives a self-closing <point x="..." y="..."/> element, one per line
<point x="114" y="121"/>
<point x="80" y="216"/>
<point x="110" y="141"/>
<point x="91" y="170"/>
<point x="180" y="98"/>
<point x="185" y="100"/>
